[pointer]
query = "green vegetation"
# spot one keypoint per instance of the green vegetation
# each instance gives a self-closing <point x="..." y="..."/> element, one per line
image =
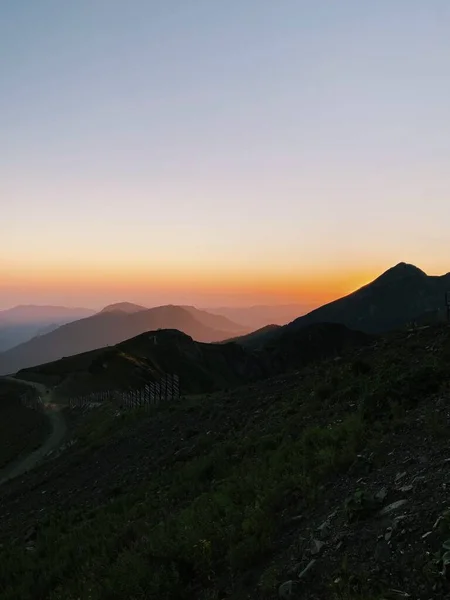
<point x="206" y="522"/>
<point x="215" y="514"/>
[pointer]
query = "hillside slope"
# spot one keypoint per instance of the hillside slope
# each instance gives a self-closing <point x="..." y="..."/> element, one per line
<point x="22" y="429"/>
<point x="397" y="297"/>
<point x="103" y="329"/>
<point x="201" y="367"/>
<point x="328" y="483"/>
<point x="256" y="338"/>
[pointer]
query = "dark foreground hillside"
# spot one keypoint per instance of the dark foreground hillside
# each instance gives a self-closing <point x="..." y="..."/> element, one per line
<point x="327" y="483"/>
<point x="201" y="367"/>
<point x="22" y="429"/>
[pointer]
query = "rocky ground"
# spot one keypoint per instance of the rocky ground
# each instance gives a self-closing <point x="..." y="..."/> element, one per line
<point x="381" y="528"/>
<point x="327" y="483"/>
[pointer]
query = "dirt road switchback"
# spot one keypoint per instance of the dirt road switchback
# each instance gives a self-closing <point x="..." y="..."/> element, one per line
<point x="58" y="431"/>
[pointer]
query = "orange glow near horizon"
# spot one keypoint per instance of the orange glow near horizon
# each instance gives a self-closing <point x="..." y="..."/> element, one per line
<point x="226" y="169"/>
<point x="99" y="286"/>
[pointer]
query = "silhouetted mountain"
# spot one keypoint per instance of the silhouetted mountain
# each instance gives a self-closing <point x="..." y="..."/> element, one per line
<point x="201" y="367"/>
<point x="107" y="328"/>
<point x="126" y="307"/>
<point x="21" y="323"/>
<point x="285" y="348"/>
<point x="396" y="298"/>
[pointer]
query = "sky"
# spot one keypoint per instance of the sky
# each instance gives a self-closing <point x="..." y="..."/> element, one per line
<point x="238" y="152"/>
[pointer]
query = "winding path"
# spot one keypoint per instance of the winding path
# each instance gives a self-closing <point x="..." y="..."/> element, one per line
<point x="26" y="463"/>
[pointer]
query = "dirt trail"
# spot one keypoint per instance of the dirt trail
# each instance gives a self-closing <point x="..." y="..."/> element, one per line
<point x="58" y="424"/>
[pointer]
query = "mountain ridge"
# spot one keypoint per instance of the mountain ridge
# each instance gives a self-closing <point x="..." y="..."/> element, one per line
<point x="397" y="297"/>
<point x="202" y="367"/>
<point x="127" y="307"/>
<point x="106" y="328"/>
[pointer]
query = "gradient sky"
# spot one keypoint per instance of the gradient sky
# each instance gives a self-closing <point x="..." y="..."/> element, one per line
<point x="220" y="152"/>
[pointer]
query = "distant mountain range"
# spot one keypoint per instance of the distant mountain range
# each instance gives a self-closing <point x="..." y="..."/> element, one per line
<point x="112" y="325"/>
<point x="404" y="294"/>
<point x="21" y="323"/>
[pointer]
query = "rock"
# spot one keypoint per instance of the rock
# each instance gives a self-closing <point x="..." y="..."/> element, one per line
<point x="398" y="520"/>
<point x="406" y="488"/>
<point x="400" y="476"/>
<point x="297" y="518"/>
<point x="381" y="494"/>
<point x="286" y="590"/>
<point x="392" y="507"/>
<point x="307" y="569"/>
<point x="419" y="479"/>
<point x="324" y="530"/>
<point x="316" y="547"/>
<point x="396" y="595"/>
<point x="30" y="534"/>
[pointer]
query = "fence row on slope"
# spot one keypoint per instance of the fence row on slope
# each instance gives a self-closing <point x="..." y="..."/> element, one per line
<point x="150" y="394"/>
<point x="32" y="400"/>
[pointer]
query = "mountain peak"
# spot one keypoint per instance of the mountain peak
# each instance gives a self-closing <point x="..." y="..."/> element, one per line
<point x="400" y="271"/>
<point x="127" y="307"/>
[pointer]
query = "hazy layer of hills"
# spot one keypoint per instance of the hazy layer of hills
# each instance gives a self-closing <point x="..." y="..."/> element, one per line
<point x="21" y="323"/>
<point x="256" y="317"/>
<point x="111" y="326"/>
